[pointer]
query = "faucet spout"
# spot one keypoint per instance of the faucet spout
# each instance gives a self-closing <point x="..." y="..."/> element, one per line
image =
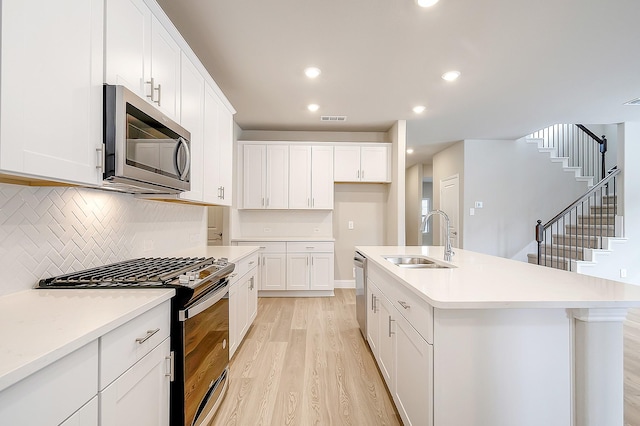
<point x="448" y="251"/>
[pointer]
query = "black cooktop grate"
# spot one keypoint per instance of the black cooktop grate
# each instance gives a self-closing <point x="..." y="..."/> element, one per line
<point x="141" y="270"/>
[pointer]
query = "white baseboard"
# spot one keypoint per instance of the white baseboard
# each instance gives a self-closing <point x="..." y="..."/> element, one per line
<point x="344" y="284"/>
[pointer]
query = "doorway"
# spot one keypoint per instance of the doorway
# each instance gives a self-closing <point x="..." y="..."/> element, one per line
<point x="450" y="204"/>
<point x="215" y="220"/>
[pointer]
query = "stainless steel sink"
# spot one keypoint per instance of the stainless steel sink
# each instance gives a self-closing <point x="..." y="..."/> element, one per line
<point x="414" y="262"/>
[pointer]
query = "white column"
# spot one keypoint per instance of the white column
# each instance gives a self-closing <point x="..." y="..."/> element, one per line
<point x="598" y="366"/>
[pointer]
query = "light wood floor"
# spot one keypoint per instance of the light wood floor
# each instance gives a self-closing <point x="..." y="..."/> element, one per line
<point x="304" y="362"/>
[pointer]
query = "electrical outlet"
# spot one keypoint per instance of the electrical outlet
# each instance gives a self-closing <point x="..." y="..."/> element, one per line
<point x="479" y="204"/>
<point x="623" y="273"/>
<point x="472" y="211"/>
<point x="350" y="224"/>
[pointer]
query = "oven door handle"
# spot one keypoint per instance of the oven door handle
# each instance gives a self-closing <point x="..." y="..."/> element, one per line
<point x="205" y="303"/>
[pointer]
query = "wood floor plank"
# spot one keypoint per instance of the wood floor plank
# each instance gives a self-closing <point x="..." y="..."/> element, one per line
<point x="304" y="362"/>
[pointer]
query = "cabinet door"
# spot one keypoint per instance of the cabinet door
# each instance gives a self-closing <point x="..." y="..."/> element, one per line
<point x="277" y="193"/>
<point x="322" y="271"/>
<point x="211" y="150"/>
<point x="192" y="119"/>
<point x="374" y="163"/>
<point x="322" y="177"/>
<point x="243" y="307"/>
<point x="140" y="396"/>
<point x="127" y="45"/>
<point x="386" y="349"/>
<point x="225" y="155"/>
<point x="51" y="88"/>
<point x="253" y="176"/>
<point x="346" y="162"/>
<point x="373" y="318"/>
<point x="86" y="416"/>
<point x="300" y="177"/>
<point x="298" y="271"/>
<point x="273" y="271"/>
<point x="253" y="296"/>
<point x="165" y="70"/>
<point x="233" y="319"/>
<point x="413" y="367"/>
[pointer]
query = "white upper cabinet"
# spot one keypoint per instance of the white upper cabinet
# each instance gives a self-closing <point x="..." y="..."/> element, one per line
<point x="128" y="45"/>
<point x="265" y="176"/>
<point x="310" y="177"/>
<point x="142" y="55"/>
<point x="218" y="150"/>
<point x="51" y="89"/>
<point x="192" y="119"/>
<point x="362" y="163"/>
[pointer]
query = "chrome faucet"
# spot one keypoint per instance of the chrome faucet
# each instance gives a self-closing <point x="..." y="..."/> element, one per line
<point x="448" y="252"/>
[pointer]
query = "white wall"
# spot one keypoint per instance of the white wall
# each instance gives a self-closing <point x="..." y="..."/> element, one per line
<point x="517" y="185"/>
<point x="413" y="211"/>
<point x="396" y="201"/>
<point x="366" y="205"/>
<point x="47" y="231"/>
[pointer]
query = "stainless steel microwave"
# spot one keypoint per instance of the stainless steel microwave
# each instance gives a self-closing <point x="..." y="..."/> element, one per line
<point x="144" y="151"/>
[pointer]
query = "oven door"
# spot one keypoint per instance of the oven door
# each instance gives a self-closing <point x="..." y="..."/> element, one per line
<point x="206" y="354"/>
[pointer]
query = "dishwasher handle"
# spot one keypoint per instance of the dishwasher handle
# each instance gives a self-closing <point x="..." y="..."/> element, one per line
<point x="359" y="260"/>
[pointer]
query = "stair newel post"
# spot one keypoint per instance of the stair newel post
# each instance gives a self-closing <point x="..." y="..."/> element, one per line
<point x="539" y="238"/>
<point x="603" y="151"/>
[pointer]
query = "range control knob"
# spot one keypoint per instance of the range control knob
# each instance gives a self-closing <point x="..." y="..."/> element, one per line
<point x="183" y="279"/>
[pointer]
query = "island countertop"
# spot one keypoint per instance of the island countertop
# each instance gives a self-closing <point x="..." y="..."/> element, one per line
<point x="477" y="281"/>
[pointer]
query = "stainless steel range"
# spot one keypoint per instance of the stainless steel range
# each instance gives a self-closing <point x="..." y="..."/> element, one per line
<point x="199" y="323"/>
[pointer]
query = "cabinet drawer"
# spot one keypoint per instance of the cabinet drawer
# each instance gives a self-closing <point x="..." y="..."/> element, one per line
<point x="310" y="246"/>
<point x="124" y="346"/>
<point x="418" y="312"/>
<point x="53" y="393"/>
<point x="267" y="246"/>
<point x="245" y="265"/>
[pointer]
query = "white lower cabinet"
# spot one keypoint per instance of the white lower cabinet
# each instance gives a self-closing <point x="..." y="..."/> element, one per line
<point x="404" y="357"/>
<point x="295" y="265"/>
<point x="140" y="396"/>
<point x="243" y="300"/>
<point x="85" y="416"/>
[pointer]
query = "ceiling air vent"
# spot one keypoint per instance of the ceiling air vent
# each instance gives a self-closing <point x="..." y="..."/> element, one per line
<point x="635" y="101"/>
<point x="333" y="118"/>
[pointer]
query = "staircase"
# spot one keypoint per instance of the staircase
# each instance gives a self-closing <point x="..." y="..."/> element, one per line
<point x="576" y="241"/>
<point x="590" y="224"/>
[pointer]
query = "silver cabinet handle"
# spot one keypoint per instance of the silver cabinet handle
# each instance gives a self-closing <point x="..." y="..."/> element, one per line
<point x="152" y="83"/>
<point x="251" y="286"/>
<point x="150" y="333"/>
<point x="252" y="262"/>
<point x="159" y="93"/>
<point x="100" y="160"/>
<point x="358" y="174"/>
<point x="404" y="304"/>
<point x="374" y="304"/>
<point x="233" y="275"/>
<point x="361" y="175"/>
<point x="390" y="321"/>
<point x="171" y="359"/>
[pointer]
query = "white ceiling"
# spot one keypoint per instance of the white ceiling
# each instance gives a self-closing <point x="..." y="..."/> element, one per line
<point x="525" y="64"/>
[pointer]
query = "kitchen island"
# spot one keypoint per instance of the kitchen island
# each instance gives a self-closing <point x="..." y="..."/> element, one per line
<point x="482" y="340"/>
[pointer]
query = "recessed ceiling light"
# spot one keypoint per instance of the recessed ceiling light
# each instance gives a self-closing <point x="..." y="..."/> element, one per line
<point x="313" y="107"/>
<point x="426" y="3"/>
<point x="409" y="150"/>
<point x="419" y="109"/>
<point x="312" y="72"/>
<point x="451" y="75"/>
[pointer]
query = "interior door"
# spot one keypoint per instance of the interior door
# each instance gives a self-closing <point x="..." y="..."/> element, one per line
<point x="450" y="204"/>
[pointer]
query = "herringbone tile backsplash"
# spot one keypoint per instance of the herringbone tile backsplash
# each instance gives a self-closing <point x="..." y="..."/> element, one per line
<point x="48" y="231"/>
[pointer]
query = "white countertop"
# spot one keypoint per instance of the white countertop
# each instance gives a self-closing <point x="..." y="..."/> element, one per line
<point x="38" y="327"/>
<point x="483" y="281"/>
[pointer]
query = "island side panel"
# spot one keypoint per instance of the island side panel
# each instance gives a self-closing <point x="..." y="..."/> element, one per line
<point x="502" y="367"/>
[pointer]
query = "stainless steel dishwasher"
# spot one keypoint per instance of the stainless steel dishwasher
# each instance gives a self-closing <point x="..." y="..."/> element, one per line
<point x="360" y="266"/>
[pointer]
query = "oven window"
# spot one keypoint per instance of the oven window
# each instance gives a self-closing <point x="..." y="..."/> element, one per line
<point x="206" y="343"/>
<point x="153" y="147"/>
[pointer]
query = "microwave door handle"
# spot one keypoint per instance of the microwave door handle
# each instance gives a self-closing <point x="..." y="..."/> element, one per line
<point x="183" y="173"/>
